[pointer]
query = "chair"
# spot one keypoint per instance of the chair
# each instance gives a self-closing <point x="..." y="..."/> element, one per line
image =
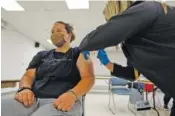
<point x="83" y="105"/>
<point x="116" y="86"/>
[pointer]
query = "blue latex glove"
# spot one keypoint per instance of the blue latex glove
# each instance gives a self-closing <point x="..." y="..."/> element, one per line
<point x="103" y="57"/>
<point x="86" y="54"/>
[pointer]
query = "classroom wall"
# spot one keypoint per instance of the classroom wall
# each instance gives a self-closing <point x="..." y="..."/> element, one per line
<point x="16" y="52"/>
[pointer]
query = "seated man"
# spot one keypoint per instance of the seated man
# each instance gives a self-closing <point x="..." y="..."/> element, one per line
<point x="54" y="81"/>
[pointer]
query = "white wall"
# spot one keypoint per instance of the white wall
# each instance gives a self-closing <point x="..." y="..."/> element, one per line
<point x="16" y="52"/>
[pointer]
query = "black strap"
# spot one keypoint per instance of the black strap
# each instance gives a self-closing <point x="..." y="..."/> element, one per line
<point x="23" y="88"/>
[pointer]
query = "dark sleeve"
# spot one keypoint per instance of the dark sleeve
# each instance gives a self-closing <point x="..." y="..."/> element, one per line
<point x="124" y="72"/>
<point x="121" y="27"/>
<point x="76" y="53"/>
<point x="35" y="61"/>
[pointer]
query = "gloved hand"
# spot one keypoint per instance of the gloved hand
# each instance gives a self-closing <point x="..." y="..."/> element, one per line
<point x="103" y="57"/>
<point x="86" y="54"/>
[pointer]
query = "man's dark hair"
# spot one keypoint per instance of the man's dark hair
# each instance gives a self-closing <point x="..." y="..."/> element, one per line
<point x="69" y="28"/>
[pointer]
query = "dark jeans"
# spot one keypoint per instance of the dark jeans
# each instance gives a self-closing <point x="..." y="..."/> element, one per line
<point x="166" y="101"/>
<point x="173" y="108"/>
<point x="172" y="112"/>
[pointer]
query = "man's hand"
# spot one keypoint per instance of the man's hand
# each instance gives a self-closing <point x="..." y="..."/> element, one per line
<point x="26" y="97"/>
<point x="65" y="101"/>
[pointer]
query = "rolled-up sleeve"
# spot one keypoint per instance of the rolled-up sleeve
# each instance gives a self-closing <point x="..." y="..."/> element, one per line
<point x="121" y="27"/>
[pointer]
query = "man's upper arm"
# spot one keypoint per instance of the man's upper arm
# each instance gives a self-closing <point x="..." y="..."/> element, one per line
<point x="85" y="67"/>
<point x="120" y="27"/>
<point x="35" y="62"/>
<point x="33" y="65"/>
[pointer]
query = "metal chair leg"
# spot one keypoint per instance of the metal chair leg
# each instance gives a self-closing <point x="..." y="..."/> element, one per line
<point x="109" y="99"/>
<point x="112" y="110"/>
<point x="131" y="110"/>
<point x="83" y="105"/>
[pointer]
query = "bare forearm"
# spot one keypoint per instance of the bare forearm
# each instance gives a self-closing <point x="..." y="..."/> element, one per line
<point x="26" y="82"/>
<point x="84" y="86"/>
<point x="110" y="66"/>
<point x="27" y="79"/>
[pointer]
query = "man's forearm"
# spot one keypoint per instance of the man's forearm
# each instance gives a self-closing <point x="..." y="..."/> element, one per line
<point x="27" y="79"/>
<point x="84" y="86"/>
<point x="26" y="82"/>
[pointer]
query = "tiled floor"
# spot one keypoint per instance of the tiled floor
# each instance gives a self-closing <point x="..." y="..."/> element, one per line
<point x="96" y="104"/>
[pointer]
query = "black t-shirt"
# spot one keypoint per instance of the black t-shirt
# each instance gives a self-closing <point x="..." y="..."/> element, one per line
<point x="56" y="72"/>
<point x="148" y="37"/>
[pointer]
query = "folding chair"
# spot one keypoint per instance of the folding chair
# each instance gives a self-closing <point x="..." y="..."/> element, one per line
<point x="83" y="105"/>
<point x="116" y="86"/>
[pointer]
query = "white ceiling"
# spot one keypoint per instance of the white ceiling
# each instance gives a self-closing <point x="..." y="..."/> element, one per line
<point x="37" y="19"/>
<point x="36" y="22"/>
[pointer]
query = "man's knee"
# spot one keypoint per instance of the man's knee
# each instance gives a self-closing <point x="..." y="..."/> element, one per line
<point x="11" y="107"/>
<point x="8" y="101"/>
<point x="49" y="110"/>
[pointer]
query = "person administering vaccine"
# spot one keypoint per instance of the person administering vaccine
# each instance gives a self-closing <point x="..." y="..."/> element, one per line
<point x="147" y="32"/>
<point x="126" y="72"/>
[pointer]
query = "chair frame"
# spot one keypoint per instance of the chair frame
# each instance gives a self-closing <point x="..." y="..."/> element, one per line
<point x="111" y="95"/>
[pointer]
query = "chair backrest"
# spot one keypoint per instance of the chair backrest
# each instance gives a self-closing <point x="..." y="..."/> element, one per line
<point x="118" y="86"/>
<point x="120" y="91"/>
<point x="115" y="81"/>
